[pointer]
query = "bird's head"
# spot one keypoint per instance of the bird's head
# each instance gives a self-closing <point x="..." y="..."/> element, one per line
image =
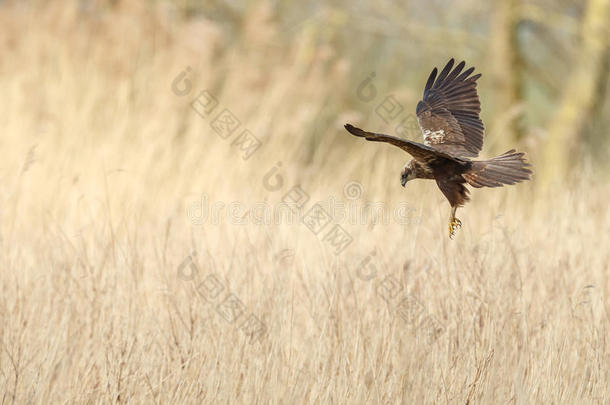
<point x="408" y="173"/>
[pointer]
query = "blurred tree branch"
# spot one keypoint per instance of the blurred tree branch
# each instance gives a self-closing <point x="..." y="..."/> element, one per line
<point x="545" y="17"/>
<point x="507" y="67"/>
<point x="580" y="95"/>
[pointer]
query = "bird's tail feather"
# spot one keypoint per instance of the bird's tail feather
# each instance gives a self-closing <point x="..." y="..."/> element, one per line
<point x="508" y="168"/>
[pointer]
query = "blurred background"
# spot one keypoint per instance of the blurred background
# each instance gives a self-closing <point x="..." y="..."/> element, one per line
<point x="101" y="96"/>
<point x="121" y="120"/>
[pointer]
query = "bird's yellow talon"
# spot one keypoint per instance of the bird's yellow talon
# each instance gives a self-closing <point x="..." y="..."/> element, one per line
<point x="454" y="225"/>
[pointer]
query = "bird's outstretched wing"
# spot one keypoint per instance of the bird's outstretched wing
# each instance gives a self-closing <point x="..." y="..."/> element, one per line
<point x="448" y="114"/>
<point x="420" y="152"/>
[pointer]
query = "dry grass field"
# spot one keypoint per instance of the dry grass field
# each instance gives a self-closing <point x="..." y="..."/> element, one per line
<point x="146" y="255"/>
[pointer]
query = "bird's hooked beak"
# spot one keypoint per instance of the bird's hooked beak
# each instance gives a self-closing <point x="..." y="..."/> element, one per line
<point x="403" y="180"/>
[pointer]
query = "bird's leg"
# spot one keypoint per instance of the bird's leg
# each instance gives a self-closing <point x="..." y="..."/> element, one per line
<point x="454" y="223"/>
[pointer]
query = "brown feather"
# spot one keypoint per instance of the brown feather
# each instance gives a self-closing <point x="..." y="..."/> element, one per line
<point x="508" y="168"/>
<point x="449" y="112"/>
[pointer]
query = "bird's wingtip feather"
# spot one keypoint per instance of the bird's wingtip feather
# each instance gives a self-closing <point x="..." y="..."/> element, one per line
<point x="353" y="130"/>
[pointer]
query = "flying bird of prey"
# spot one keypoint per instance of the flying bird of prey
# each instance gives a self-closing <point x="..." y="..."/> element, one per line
<point x="448" y="116"/>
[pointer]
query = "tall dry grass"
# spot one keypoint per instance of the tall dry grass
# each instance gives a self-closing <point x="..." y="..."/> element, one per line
<point x="103" y="168"/>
